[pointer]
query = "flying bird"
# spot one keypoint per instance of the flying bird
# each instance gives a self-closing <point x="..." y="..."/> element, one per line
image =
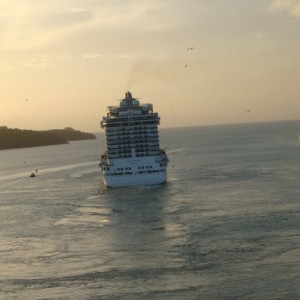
<point x="248" y="110"/>
<point x="185" y="66"/>
<point x="191" y="48"/>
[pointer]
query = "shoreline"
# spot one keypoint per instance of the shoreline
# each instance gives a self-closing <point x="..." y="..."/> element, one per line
<point x="18" y="138"/>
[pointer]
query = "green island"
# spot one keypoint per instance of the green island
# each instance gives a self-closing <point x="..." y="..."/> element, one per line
<point x="11" y="138"/>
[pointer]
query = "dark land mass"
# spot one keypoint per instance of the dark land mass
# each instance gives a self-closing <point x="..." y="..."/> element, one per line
<point x="70" y="134"/>
<point x="18" y="138"/>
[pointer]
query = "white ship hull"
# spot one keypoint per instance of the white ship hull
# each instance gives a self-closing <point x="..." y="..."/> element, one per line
<point x="134" y="180"/>
<point x="135" y="171"/>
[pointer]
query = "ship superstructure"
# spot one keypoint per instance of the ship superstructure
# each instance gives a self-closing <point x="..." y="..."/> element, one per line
<point x="133" y="155"/>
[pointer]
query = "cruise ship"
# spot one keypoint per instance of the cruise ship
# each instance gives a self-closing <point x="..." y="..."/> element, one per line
<point x="133" y="155"/>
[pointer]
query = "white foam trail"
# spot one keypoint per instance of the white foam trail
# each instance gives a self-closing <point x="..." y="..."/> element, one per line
<point x="48" y="170"/>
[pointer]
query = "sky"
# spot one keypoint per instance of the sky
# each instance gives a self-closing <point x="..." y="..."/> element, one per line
<point x="62" y="62"/>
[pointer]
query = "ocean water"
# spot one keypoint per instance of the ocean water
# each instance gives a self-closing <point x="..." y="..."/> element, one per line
<point x="226" y="225"/>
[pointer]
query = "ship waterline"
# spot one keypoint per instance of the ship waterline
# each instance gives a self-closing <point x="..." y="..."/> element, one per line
<point x="133" y="155"/>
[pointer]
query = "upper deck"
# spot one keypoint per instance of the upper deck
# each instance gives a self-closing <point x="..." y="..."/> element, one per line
<point x="129" y="108"/>
<point x="117" y="111"/>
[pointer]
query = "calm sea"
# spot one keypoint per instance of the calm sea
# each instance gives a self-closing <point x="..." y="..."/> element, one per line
<point x="226" y="225"/>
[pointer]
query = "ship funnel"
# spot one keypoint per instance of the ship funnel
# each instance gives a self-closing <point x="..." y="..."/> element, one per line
<point x="128" y="95"/>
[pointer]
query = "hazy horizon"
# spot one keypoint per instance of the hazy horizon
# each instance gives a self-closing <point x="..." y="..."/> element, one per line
<point x="167" y="127"/>
<point x="198" y="62"/>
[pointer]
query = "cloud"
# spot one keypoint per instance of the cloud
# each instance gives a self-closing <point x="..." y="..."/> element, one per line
<point x="5" y="67"/>
<point x="258" y="36"/>
<point x="44" y="61"/>
<point x="91" y="55"/>
<point x="33" y="24"/>
<point x="38" y="64"/>
<point x="66" y="18"/>
<point x="291" y="6"/>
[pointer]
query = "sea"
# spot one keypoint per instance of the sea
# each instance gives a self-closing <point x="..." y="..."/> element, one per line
<point x="225" y="225"/>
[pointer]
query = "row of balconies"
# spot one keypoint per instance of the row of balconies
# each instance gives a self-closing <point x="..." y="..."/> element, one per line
<point x="132" y="137"/>
<point x="131" y="117"/>
<point x="128" y="149"/>
<point x="129" y="140"/>
<point x="128" y="124"/>
<point x="133" y="144"/>
<point x="127" y="132"/>
<point x="125" y="155"/>
<point x="110" y="156"/>
<point x="131" y="127"/>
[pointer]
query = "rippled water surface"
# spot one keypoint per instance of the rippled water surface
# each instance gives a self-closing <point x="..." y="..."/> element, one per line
<point x="226" y="225"/>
